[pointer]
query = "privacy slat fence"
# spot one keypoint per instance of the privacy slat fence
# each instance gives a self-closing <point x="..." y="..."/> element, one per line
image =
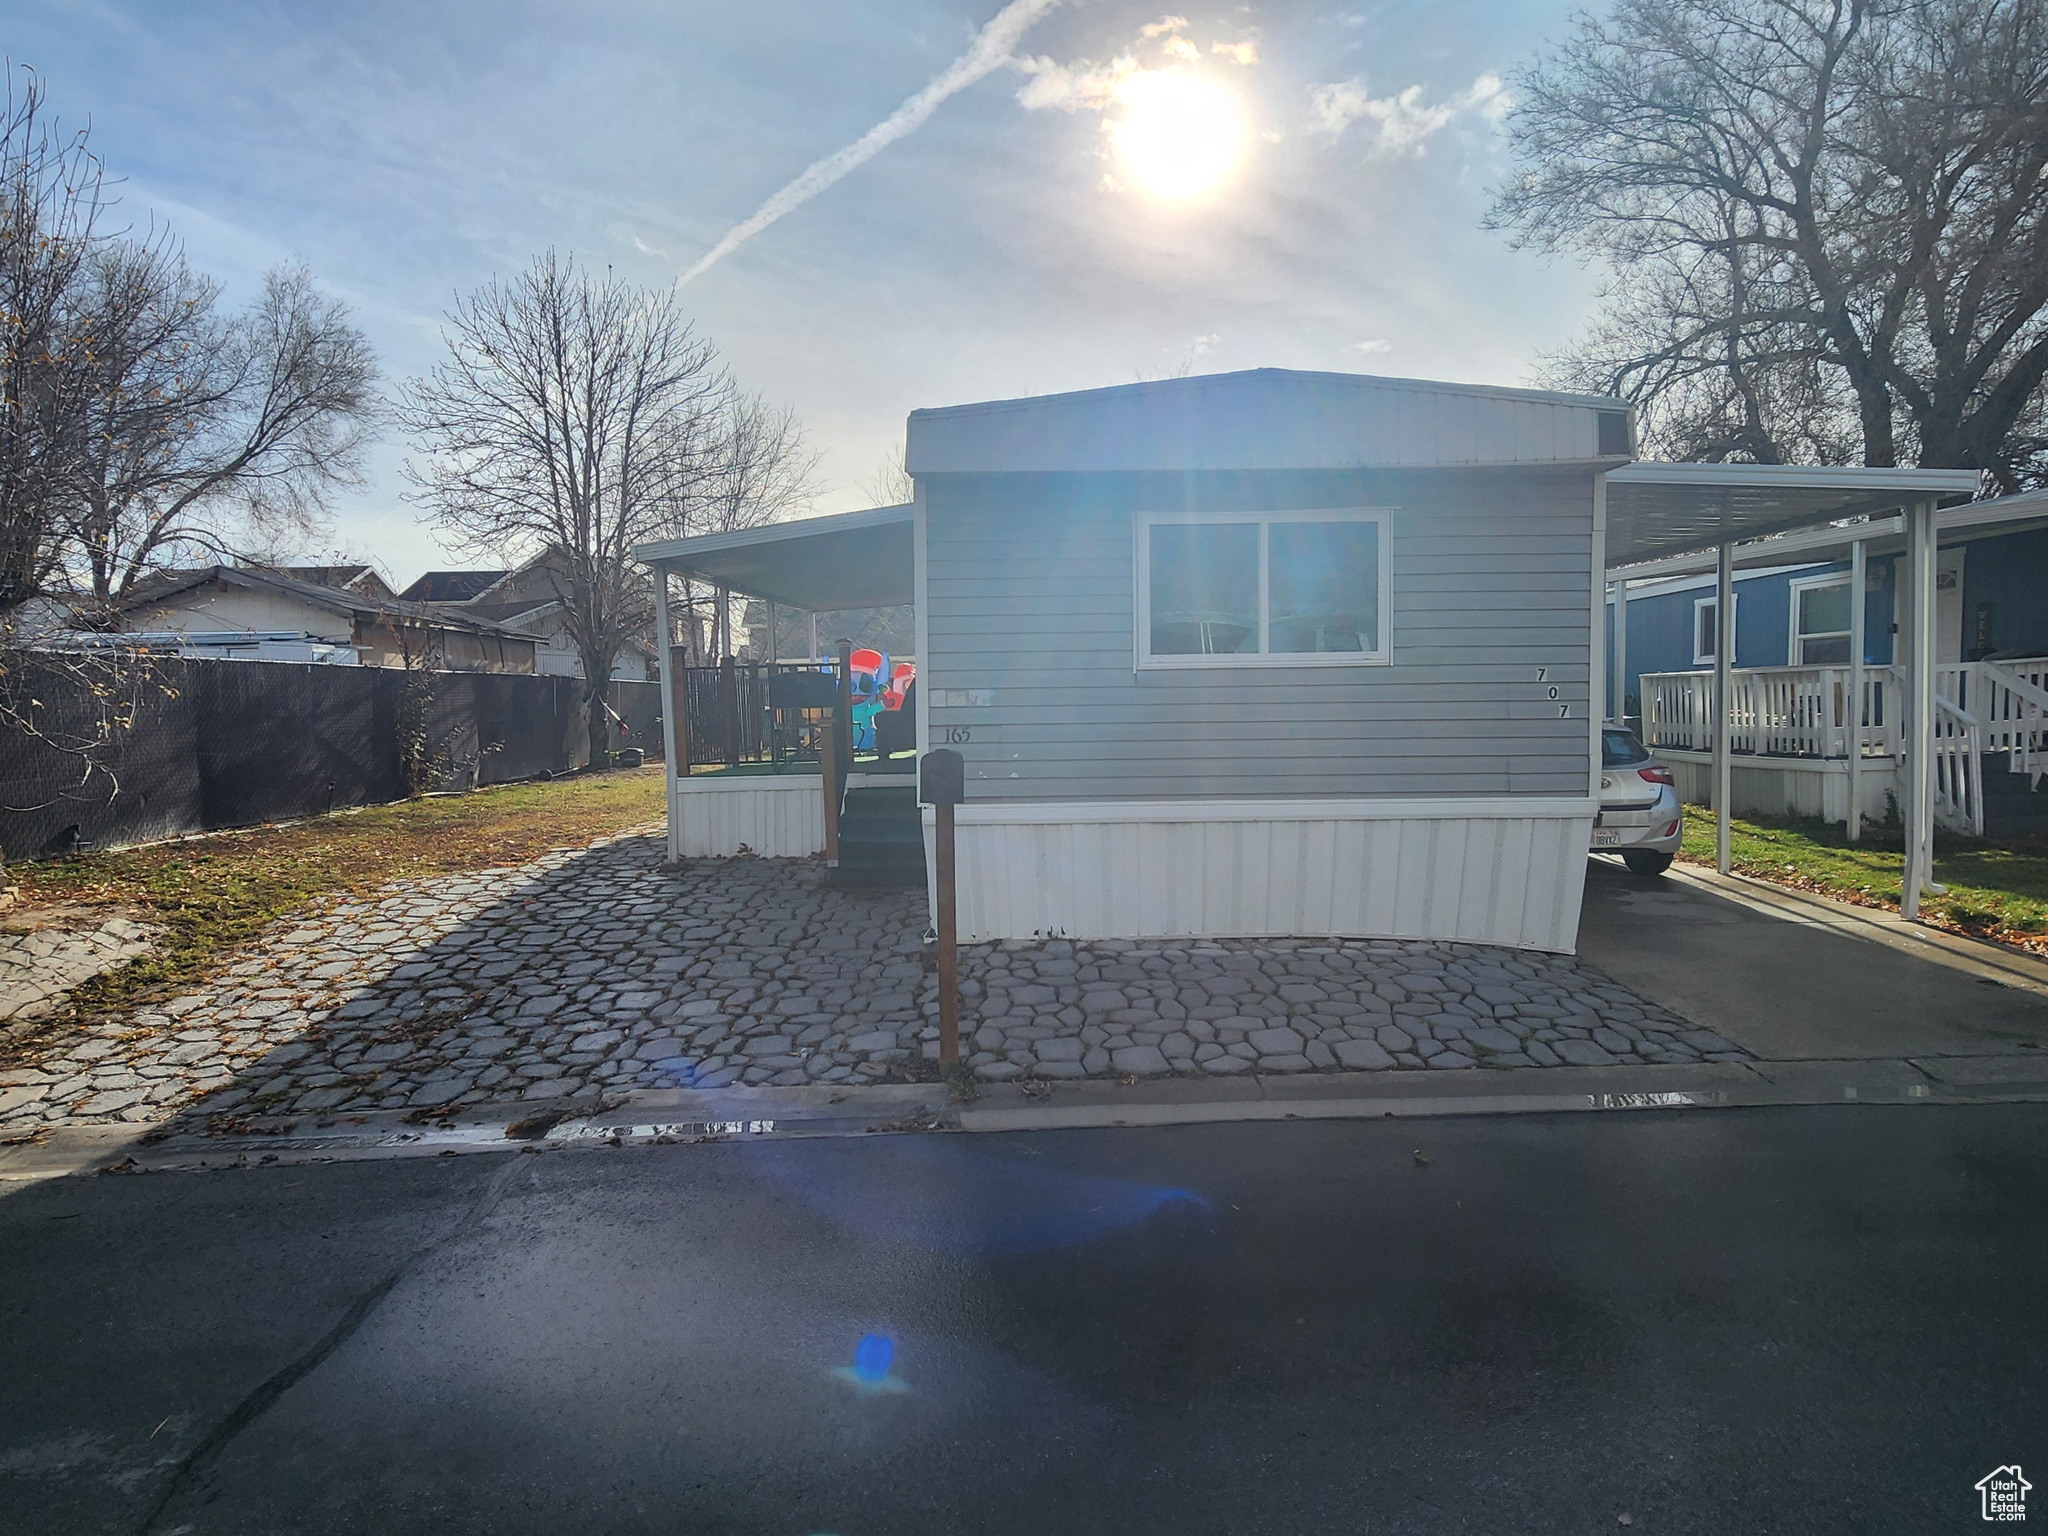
<point x="234" y="743"/>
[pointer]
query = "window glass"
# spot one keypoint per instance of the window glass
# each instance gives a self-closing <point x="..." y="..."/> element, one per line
<point x="1323" y="584"/>
<point x="1824" y="610"/>
<point x="1620" y="748"/>
<point x="1205" y="588"/>
<point x="1823" y="620"/>
<point x="1704" y="645"/>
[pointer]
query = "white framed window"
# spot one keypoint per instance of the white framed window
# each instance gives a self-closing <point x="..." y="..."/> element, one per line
<point x="1250" y="589"/>
<point x="1705" y="630"/>
<point x="1820" y="622"/>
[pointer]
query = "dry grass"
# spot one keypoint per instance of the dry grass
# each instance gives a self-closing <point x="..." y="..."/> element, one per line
<point x="213" y="894"/>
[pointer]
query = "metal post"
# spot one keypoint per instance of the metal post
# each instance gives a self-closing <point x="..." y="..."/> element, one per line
<point x="1920" y="728"/>
<point x="846" y="704"/>
<point x="1853" y="827"/>
<point x="1621" y="650"/>
<point x="729" y="709"/>
<point x="668" y="668"/>
<point x="949" y="942"/>
<point x="1724" y="664"/>
<point x="828" y="770"/>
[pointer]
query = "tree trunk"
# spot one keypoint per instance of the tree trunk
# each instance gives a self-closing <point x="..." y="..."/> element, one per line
<point x="597" y="673"/>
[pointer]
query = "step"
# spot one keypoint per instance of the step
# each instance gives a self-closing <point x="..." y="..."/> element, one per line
<point x="893" y="802"/>
<point x="2015" y="826"/>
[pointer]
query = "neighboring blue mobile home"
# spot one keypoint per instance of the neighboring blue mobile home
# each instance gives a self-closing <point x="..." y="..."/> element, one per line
<point x="1792" y="635"/>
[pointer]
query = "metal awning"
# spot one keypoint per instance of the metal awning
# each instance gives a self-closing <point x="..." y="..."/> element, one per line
<point x="1656" y="511"/>
<point x="820" y="564"/>
<point x="1832" y="544"/>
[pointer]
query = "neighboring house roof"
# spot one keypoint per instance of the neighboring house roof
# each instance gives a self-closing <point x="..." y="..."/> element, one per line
<point x="523" y="613"/>
<point x="451" y="586"/>
<point x="333" y="599"/>
<point x="353" y="578"/>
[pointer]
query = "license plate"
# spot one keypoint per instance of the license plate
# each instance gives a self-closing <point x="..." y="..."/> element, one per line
<point x="1606" y="839"/>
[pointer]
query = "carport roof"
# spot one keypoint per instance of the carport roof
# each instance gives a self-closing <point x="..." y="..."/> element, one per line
<point x="1656" y="511"/>
<point x="823" y="564"/>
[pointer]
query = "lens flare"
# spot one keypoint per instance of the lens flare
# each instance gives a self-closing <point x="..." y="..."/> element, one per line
<point x="1179" y="135"/>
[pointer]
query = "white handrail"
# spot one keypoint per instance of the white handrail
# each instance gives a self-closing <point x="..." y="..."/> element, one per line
<point x="2013" y="701"/>
<point x="1958" y="769"/>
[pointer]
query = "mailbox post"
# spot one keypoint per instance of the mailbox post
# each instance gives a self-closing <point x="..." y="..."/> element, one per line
<point x="941" y="784"/>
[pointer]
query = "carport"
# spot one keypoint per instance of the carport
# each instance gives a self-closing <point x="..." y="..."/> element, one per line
<point x="1660" y="512"/>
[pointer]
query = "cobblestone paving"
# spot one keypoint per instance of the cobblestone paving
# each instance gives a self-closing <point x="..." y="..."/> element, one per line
<point x="592" y="972"/>
<point x="40" y="962"/>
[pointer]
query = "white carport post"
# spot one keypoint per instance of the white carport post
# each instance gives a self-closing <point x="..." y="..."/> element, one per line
<point x="1853" y="830"/>
<point x="1621" y="650"/>
<point x="665" y="638"/>
<point x="1919" y="872"/>
<point x="1724" y="662"/>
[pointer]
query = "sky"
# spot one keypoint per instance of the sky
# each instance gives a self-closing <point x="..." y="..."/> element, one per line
<point x="1306" y="192"/>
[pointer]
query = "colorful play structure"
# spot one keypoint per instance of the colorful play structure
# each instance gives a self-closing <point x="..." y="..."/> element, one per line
<point x="878" y="685"/>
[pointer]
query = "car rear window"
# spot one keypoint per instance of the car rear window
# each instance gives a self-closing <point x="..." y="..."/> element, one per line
<point x="1620" y="749"/>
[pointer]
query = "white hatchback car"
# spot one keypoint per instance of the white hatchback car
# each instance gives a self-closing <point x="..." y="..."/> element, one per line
<point x="1639" y="815"/>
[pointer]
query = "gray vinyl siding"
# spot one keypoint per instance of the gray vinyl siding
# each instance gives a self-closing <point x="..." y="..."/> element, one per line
<point x="1029" y="592"/>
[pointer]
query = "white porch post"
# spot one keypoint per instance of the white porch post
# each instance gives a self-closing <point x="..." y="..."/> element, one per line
<point x="771" y="630"/>
<point x="1853" y="828"/>
<point x="1919" y="873"/>
<point x="665" y="642"/>
<point x="813" y="657"/>
<point x="1724" y="663"/>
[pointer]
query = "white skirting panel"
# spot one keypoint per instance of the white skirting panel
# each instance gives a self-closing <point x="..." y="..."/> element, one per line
<point x="1789" y="786"/>
<point x="1502" y="871"/>
<point x="771" y="818"/>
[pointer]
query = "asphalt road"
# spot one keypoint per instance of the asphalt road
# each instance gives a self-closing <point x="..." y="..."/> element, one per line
<point x="1719" y="1320"/>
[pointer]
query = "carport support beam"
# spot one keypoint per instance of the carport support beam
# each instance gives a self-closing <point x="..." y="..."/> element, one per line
<point x="1853" y="826"/>
<point x="1621" y="650"/>
<point x="1920" y="719"/>
<point x="668" y="687"/>
<point x="1724" y="664"/>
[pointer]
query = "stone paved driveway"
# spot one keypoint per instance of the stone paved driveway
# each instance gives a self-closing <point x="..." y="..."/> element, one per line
<point x="596" y="971"/>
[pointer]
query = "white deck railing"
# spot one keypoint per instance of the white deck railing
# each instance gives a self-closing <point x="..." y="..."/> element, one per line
<point x="1804" y="712"/>
<point x="1773" y="711"/>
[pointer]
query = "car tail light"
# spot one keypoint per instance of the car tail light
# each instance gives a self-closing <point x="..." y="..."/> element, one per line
<point x="1669" y="830"/>
<point x="1656" y="773"/>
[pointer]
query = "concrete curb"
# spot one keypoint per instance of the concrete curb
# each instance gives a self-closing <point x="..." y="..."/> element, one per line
<point x="669" y="1116"/>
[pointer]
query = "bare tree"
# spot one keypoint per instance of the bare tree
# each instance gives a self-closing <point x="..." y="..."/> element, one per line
<point x="51" y="203"/>
<point x="576" y="415"/>
<point x="1828" y="220"/>
<point x="210" y="434"/>
<point x="890" y="485"/>
<point x="760" y="470"/>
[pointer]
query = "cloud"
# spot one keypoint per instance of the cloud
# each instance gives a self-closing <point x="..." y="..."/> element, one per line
<point x="1204" y="344"/>
<point x="990" y="50"/>
<point x="1080" y="87"/>
<point x="1376" y="344"/>
<point x="1086" y="86"/>
<point x="1402" y="124"/>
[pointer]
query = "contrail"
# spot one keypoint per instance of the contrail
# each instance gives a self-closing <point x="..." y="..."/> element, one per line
<point x="991" y="47"/>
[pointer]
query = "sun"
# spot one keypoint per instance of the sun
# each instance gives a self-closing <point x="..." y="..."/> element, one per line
<point x="1179" y="135"/>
